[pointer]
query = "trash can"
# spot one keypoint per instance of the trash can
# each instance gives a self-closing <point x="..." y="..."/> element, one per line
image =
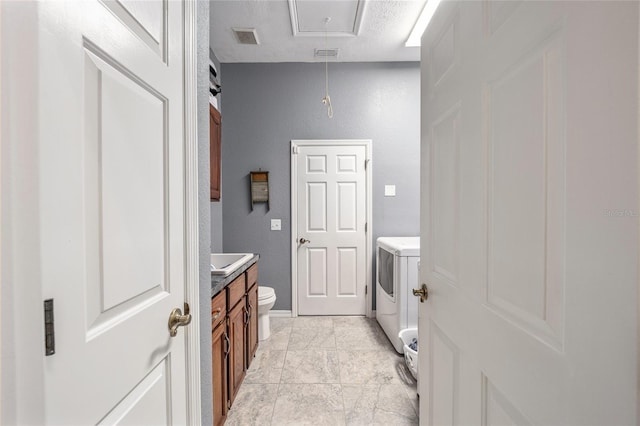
<point x="407" y="336"/>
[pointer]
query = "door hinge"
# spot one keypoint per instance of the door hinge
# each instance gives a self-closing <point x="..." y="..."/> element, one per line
<point x="366" y="290"/>
<point x="366" y="163"/>
<point x="294" y="149"/>
<point x="49" y="330"/>
<point x="366" y="226"/>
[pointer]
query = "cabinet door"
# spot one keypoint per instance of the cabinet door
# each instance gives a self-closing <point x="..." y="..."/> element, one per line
<point x="215" y="140"/>
<point x="252" y="327"/>
<point x="220" y="347"/>
<point x="237" y="354"/>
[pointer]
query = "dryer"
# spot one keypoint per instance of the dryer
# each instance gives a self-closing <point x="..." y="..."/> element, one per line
<point x="396" y="276"/>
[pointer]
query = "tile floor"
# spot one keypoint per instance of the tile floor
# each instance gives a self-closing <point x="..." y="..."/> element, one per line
<point x="326" y="371"/>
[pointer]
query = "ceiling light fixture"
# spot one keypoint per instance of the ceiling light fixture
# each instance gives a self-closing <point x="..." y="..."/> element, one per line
<point x="422" y="23"/>
<point x="326" y="101"/>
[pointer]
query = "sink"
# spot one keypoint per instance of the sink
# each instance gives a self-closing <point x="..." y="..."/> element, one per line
<point x="226" y="263"/>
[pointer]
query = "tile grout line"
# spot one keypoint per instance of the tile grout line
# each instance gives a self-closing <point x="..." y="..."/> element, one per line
<point x="383" y="347"/>
<point x="344" y="405"/>
<point x="273" y="408"/>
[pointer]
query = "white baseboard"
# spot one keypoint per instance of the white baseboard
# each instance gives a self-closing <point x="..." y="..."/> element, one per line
<point x="279" y="313"/>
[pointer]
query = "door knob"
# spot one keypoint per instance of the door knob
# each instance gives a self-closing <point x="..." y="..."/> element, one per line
<point x="422" y="292"/>
<point x="176" y="319"/>
<point x="304" y="241"/>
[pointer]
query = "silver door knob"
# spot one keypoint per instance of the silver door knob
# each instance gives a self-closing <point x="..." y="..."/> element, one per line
<point x="176" y="319"/>
<point x="423" y="292"/>
<point x="304" y="241"/>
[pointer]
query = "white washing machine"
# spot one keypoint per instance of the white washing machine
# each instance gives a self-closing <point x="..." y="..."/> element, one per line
<point x="396" y="276"/>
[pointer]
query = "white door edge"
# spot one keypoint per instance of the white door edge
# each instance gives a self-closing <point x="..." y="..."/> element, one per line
<point x="20" y="353"/>
<point x="21" y="393"/>
<point x="295" y="143"/>
<point x="192" y="285"/>
<point x="638" y="236"/>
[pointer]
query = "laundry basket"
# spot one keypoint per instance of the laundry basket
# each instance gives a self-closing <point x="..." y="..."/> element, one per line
<point x="410" y="356"/>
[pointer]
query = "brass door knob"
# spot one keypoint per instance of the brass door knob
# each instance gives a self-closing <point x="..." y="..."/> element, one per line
<point x="176" y="319"/>
<point x="423" y="292"/>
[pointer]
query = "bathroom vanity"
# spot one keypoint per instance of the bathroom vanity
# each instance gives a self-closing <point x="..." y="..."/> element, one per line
<point x="234" y="333"/>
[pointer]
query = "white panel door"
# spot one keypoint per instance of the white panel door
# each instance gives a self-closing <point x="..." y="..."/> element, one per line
<point x="112" y="201"/>
<point x="331" y="238"/>
<point x="529" y="214"/>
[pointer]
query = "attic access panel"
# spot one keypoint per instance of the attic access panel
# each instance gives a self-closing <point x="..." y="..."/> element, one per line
<point x="308" y="17"/>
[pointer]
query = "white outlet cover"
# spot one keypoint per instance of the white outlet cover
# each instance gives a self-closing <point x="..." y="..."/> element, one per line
<point x="276" y="224"/>
<point x="389" y="190"/>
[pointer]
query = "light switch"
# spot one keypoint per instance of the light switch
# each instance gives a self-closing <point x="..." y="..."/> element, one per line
<point x="389" y="190"/>
<point x="276" y="224"/>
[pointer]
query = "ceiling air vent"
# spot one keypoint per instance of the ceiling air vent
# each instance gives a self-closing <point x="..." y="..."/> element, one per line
<point x="246" y="35"/>
<point x="326" y="53"/>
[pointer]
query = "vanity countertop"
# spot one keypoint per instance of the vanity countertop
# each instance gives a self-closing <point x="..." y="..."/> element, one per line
<point x="218" y="283"/>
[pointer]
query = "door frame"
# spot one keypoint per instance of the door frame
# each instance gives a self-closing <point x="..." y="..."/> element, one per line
<point x="192" y="237"/>
<point x="367" y="144"/>
<point x="22" y="375"/>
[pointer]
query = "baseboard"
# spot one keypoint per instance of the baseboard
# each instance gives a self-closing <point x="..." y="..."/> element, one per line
<point x="279" y="313"/>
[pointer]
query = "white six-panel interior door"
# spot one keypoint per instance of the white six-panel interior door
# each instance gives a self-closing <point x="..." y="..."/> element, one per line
<point x="107" y="211"/>
<point x="331" y="247"/>
<point x="529" y="214"/>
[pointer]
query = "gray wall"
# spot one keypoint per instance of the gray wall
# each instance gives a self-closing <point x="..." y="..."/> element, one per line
<point x="203" y="211"/>
<point x="216" y="206"/>
<point x="267" y="105"/>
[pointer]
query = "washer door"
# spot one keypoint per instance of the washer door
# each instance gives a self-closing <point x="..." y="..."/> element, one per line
<point x="385" y="272"/>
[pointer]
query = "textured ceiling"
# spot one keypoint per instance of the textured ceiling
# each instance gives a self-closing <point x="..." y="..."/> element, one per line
<point x="383" y="31"/>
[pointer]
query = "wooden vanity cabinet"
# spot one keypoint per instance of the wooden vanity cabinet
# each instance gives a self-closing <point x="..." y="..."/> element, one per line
<point x="234" y="339"/>
<point x="219" y="351"/>
<point x="252" y="308"/>
<point x="236" y="328"/>
<point x="215" y="141"/>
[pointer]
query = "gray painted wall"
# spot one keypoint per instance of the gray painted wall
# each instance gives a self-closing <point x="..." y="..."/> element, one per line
<point x="203" y="211"/>
<point x="267" y="105"/>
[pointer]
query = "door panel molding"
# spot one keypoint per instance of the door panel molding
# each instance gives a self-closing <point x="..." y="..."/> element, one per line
<point x="345" y="165"/>
<point x="546" y="278"/>
<point x="23" y="285"/>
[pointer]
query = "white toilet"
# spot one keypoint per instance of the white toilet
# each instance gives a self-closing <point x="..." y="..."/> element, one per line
<point x="266" y="300"/>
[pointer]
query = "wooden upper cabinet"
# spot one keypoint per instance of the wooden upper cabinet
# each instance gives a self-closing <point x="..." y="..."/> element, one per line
<point x="215" y="139"/>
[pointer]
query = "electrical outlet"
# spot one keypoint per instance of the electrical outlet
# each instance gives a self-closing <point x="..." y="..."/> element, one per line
<point x="276" y="224"/>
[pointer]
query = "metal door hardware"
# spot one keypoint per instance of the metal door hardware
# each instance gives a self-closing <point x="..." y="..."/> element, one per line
<point x="177" y="319"/>
<point x="49" y="330"/>
<point x="423" y="292"/>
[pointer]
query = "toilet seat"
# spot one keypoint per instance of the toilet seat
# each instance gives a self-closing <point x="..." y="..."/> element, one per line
<point x="265" y="293"/>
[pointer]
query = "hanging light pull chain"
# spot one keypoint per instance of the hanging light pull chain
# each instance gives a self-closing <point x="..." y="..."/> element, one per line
<point x="326" y="101"/>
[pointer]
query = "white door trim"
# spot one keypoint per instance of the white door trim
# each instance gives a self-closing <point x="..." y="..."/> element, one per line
<point x="192" y="264"/>
<point x="295" y="143"/>
<point x="21" y="383"/>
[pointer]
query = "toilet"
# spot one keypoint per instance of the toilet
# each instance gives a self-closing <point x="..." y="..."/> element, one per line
<point x="266" y="300"/>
